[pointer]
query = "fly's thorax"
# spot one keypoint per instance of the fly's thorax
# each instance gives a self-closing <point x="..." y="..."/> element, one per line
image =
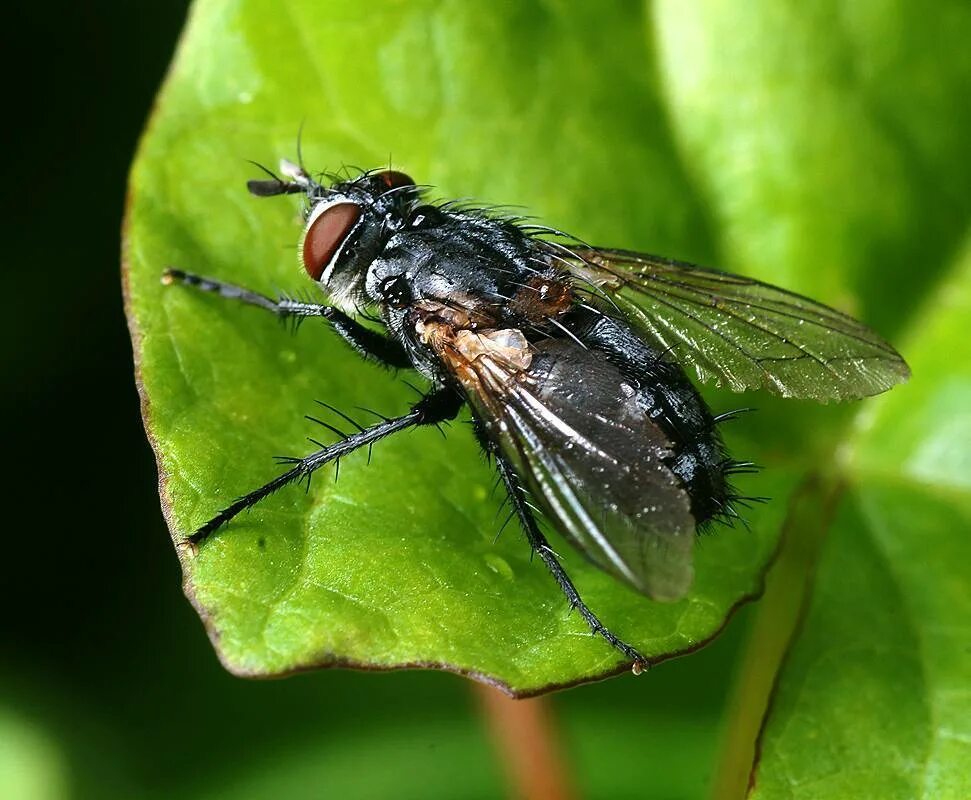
<point x="541" y="298"/>
<point x="407" y="272"/>
<point x="452" y="257"/>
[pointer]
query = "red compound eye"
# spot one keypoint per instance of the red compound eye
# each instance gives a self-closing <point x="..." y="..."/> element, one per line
<point x="392" y="179"/>
<point x="325" y="234"/>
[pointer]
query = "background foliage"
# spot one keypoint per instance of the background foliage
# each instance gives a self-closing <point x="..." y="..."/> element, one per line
<point x="820" y="146"/>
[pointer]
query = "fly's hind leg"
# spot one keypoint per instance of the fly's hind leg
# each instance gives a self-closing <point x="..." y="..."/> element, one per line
<point x="538" y="542"/>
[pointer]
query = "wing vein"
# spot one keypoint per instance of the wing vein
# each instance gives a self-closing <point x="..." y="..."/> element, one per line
<point x="742" y="331"/>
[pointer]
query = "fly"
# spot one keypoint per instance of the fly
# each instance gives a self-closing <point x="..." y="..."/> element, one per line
<point x="571" y="358"/>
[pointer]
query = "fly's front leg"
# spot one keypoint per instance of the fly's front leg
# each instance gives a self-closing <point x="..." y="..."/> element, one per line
<point x="365" y="341"/>
<point x="436" y="407"/>
<point x="537" y="541"/>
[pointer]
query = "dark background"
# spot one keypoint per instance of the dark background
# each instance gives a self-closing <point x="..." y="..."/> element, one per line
<point x="108" y="686"/>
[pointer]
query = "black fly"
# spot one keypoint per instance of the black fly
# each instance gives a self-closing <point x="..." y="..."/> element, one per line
<point x="570" y="358"/>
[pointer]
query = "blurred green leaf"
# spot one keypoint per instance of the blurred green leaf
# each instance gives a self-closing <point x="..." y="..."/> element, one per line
<point x="831" y="139"/>
<point x="417" y="759"/>
<point x="873" y="699"/>
<point x="31" y="766"/>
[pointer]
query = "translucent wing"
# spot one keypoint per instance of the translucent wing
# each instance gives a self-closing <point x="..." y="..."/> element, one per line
<point x="740" y="331"/>
<point x="591" y="459"/>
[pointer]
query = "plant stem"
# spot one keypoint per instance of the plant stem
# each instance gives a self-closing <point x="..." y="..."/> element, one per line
<point x="525" y="736"/>
<point x="788" y="590"/>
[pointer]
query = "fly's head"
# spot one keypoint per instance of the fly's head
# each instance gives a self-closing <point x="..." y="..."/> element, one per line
<point x="347" y="225"/>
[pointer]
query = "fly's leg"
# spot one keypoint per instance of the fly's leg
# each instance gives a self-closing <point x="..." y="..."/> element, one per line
<point x="436" y="407"/>
<point x="367" y="342"/>
<point x="539" y="544"/>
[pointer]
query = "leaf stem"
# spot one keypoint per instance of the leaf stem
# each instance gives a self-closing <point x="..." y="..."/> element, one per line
<point x="788" y="588"/>
<point x="525" y="736"/>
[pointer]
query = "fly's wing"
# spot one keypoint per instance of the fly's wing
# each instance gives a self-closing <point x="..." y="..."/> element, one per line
<point x="592" y="460"/>
<point x="740" y="331"/>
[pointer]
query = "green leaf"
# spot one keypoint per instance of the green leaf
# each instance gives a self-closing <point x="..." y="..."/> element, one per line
<point x="31" y="766"/>
<point x="873" y="699"/>
<point x="394" y="565"/>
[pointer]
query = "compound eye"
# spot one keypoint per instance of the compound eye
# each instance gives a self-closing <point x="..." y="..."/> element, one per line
<point x="326" y="233"/>
<point x="392" y="179"/>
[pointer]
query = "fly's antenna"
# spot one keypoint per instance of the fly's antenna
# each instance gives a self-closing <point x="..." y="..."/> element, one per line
<point x="298" y="174"/>
<point x="275" y="186"/>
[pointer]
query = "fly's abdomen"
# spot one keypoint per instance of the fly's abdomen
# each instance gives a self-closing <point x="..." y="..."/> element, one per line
<point x="671" y="402"/>
<point x="699" y="461"/>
